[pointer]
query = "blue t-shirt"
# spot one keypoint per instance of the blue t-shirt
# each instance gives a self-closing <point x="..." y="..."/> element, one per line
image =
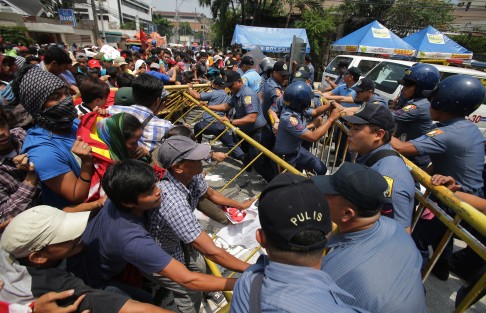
<point x="114" y="238"/>
<point x="164" y="78"/>
<point x="252" y="80"/>
<point x="52" y="157"/>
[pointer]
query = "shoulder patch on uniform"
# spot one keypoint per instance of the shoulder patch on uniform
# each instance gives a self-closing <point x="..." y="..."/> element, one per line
<point x="244" y="80"/>
<point x="278" y="92"/>
<point x="435" y="132"/>
<point x="389" y="181"/>
<point x="293" y="121"/>
<point x="247" y="100"/>
<point x="409" y="107"/>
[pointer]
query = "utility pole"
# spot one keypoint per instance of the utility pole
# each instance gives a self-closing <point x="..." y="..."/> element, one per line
<point x="95" y="18"/>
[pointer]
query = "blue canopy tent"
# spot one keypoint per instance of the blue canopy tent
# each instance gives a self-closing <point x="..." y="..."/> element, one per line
<point x="276" y="40"/>
<point x="430" y="43"/>
<point x="373" y="38"/>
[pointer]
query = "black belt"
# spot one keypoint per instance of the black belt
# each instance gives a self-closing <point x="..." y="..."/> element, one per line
<point x="288" y="155"/>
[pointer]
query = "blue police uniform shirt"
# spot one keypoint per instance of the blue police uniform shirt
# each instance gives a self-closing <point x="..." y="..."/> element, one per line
<point x="413" y="119"/>
<point x="245" y="102"/>
<point x="456" y="148"/>
<point x="315" y="103"/>
<point x="376" y="99"/>
<point x="290" y="128"/>
<point x="239" y="71"/>
<point x="214" y="97"/>
<point x="252" y="79"/>
<point x="291" y="289"/>
<point x="380" y="266"/>
<point x="401" y="188"/>
<point x="272" y="98"/>
<point x="343" y="90"/>
<point x="311" y="74"/>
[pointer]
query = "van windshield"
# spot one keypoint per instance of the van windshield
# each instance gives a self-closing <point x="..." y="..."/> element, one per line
<point x="386" y="76"/>
<point x="332" y="68"/>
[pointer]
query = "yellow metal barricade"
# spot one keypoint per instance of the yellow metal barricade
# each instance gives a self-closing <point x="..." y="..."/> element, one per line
<point x="334" y="140"/>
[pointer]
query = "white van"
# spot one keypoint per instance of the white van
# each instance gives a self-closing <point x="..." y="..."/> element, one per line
<point x="365" y="64"/>
<point x="387" y="72"/>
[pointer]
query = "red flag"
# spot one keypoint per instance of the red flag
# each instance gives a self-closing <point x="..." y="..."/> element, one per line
<point x="143" y="38"/>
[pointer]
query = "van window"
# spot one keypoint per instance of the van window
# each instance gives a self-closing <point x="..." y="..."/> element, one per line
<point x="366" y="65"/>
<point x="332" y="68"/>
<point x="386" y="76"/>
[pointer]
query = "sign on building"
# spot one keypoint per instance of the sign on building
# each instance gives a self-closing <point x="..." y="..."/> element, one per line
<point x="66" y="16"/>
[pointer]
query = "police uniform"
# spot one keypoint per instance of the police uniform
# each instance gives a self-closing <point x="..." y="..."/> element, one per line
<point x="246" y="102"/>
<point x="413" y="120"/>
<point x="315" y="103"/>
<point x="456" y="148"/>
<point x="272" y="98"/>
<point x="288" y="143"/>
<point x="252" y="80"/>
<point x="399" y="202"/>
<point x="343" y="90"/>
<point x="214" y="97"/>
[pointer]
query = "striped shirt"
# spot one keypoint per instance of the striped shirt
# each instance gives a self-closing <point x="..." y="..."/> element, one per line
<point x="174" y="223"/>
<point x="155" y="130"/>
<point x="379" y="266"/>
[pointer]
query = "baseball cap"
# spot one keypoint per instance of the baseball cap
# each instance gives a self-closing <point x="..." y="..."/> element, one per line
<point x="231" y="77"/>
<point x="301" y="76"/>
<point x="230" y="63"/>
<point x="282" y="68"/>
<point x="373" y="113"/>
<point x="182" y="66"/>
<point x="177" y="148"/>
<point x="362" y="186"/>
<point x="364" y="84"/>
<point x="40" y="226"/>
<point x="93" y="63"/>
<point x="155" y="65"/>
<point x="356" y="72"/>
<point x="107" y="57"/>
<point x="247" y="60"/>
<point x="124" y="96"/>
<point x="119" y="61"/>
<point x="81" y="56"/>
<point x="289" y="205"/>
<point x="229" y="51"/>
<point x="219" y="81"/>
<point x="217" y="58"/>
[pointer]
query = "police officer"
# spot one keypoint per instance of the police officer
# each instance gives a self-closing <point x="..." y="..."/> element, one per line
<point x="308" y="61"/>
<point x="369" y="135"/>
<point x="351" y="77"/>
<point x="250" y="77"/>
<point x="215" y="96"/>
<point x="266" y="66"/>
<point x="455" y="147"/>
<point x="293" y="129"/>
<point x="413" y="119"/>
<point x="272" y="93"/>
<point x="248" y="118"/>
<point x="342" y="67"/>
<point x="364" y="93"/>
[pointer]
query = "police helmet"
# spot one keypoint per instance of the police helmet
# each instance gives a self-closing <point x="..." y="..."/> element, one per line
<point x="298" y="96"/>
<point x="423" y="76"/>
<point x="267" y="64"/>
<point x="459" y="94"/>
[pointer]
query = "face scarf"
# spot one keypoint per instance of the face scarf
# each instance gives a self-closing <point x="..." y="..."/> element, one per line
<point x="35" y="87"/>
<point x="59" y="117"/>
<point x="110" y="132"/>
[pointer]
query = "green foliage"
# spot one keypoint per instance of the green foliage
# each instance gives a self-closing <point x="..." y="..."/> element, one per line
<point x="164" y="26"/>
<point x="409" y="16"/>
<point x="15" y="34"/>
<point x="185" y="29"/>
<point x="319" y="26"/>
<point x="302" y="5"/>
<point x="475" y="44"/>
<point x="131" y="25"/>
